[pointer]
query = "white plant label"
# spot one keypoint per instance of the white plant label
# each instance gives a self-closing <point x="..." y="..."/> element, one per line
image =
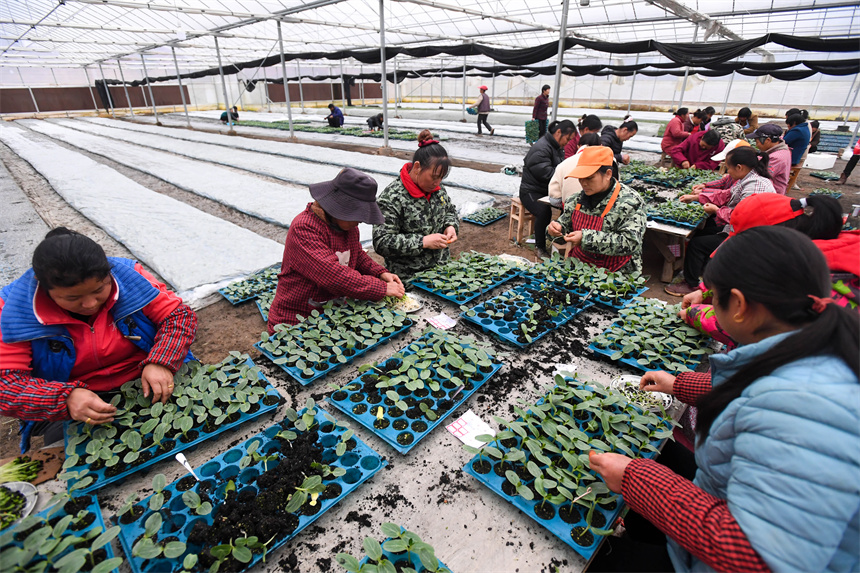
<point x="467" y="427"/>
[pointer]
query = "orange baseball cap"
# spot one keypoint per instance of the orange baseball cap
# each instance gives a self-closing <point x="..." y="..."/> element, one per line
<point x="591" y="159"/>
<point x="764" y="210"/>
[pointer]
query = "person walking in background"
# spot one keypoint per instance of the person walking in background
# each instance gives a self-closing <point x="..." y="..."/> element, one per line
<point x="483" y="107"/>
<point x="675" y="134"/>
<point x="376" y="122"/>
<point x="849" y="167"/>
<point x="538" y="168"/>
<point x="586" y="124"/>
<point x="234" y="115"/>
<point x="768" y="139"/>
<point x="747" y="120"/>
<point x="816" y="136"/>
<point x="540" y="108"/>
<point x="797" y="137"/>
<point x="335" y="118"/>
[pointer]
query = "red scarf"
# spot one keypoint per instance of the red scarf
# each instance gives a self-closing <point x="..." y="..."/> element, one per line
<point x="413" y="189"/>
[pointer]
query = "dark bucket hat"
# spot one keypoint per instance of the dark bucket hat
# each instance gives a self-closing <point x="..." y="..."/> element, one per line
<point x="351" y="196"/>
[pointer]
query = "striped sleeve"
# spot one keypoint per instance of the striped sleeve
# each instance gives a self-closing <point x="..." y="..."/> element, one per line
<point x="690" y="386"/>
<point x="26" y="397"/>
<point x="173" y="339"/>
<point x="699" y="522"/>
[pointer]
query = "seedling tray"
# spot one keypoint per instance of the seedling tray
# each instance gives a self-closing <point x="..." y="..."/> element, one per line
<point x="101" y="477"/>
<point x="352" y="401"/>
<point x="8" y="540"/>
<point x="329" y="366"/>
<point x="556" y="525"/>
<point x="675" y="184"/>
<point x="264" y="312"/>
<point x="675" y="222"/>
<point x="835" y="195"/>
<point x="263" y="281"/>
<point x="501" y="216"/>
<point x="465" y="297"/>
<point x="825" y="177"/>
<point x="400" y="559"/>
<point x="508" y="331"/>
<point x="360" y="464"/>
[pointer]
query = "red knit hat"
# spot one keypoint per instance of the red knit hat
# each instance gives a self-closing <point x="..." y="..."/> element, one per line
<point x="763" y="210"/>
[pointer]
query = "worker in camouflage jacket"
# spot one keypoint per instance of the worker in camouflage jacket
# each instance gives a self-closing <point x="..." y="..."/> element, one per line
<point x="605" y="222"/>
<point x="420" y="219"/>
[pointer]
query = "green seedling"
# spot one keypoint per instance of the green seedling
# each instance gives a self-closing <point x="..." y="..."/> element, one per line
<point x="192" y="501"/>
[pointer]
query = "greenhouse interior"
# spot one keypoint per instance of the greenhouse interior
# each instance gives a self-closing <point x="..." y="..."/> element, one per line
<point x="253" y="254"/>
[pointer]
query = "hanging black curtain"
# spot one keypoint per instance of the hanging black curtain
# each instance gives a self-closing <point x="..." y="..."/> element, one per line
<point x="101" y="89"/>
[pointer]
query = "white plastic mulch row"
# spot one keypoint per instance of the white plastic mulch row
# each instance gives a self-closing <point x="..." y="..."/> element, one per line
<point x="275" y="166"/>
<point x="273" y="202"/>
<point x="194" y="251"/>
<point x="463" y="178"/>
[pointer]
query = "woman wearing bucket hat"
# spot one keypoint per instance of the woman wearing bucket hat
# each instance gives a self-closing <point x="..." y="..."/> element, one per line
<point x="483" y="108"/>
<point x="420" y="219"/>
<point x="605" y="222"/>
<point x="323" y="258"/>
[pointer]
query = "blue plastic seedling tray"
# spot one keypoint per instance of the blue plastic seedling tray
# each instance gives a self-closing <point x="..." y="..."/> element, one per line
<point x="469" y="296"/>
<point x="608" y="352"/>
<point x="360" y="463"/>
<point x="296" y="373"/>
<point x="668" y="184"/>
<point x="599" y="300"/>
<point x="398" y="558"/>
<point x="814" y="194"/>
<point x="102" y="480"/>
<point x="825" y="178"/>
<point x="58" y="514"/>
<point x="264" y="314"/>
<point x="234" y="301"/>
<point x="484" y="224"/>
<point x="677" y="223"/>
<point x="556" y="525"/>
<point x="389" y="434"/>
<point x="509" y="331"/>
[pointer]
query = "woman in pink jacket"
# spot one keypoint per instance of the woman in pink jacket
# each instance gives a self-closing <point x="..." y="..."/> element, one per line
<point x="675" y="134"/>
<point x="768" y="138"/>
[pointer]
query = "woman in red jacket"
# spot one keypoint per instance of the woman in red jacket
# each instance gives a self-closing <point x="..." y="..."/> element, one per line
<point x="675" y="134"/>
<point x="79" y="323"/>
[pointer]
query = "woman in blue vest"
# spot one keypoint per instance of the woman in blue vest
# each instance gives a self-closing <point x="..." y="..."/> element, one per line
<point x="778" y="451"/>
<point x="79" y="323"/>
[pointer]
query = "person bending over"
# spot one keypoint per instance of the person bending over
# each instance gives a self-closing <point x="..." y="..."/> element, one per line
<point x="538" y="168"/>
<point x="605" y="222"/>
<point x="233" y="115"/>
<point x="420" y="219"/>
<point x="323" y="258"/>
<point x="376" y="122"/>
<point x="79" y="323"/>
<point x="697" y="151"/>
<point x="675" y="134"/>
<point x="614" y="139"/>
<point x="778" y="426"/>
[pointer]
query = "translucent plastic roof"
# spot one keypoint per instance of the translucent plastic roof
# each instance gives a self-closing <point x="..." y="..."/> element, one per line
<point x="45" y="33"/>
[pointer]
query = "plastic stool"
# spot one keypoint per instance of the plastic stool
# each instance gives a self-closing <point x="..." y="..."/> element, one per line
<point x="525" y="221"/>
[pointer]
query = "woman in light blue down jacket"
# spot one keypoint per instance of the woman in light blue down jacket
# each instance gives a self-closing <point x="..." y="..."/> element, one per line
<point x="778" y="454"/>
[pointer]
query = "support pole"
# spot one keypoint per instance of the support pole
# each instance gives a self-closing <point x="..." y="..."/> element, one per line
<point x="842" y="110"/>
<point x="493" y="86"/>
<point x="107" y="91"/>
<point x="361" y="85"/>
<point x="394" y="77"/>
<point x="653" y="89"/>
<point x="33" y="97"/>
<point x="728" y="91"/>
<point x="342" y="87"/>
<point x="149" y="87"/>
<point x="286" y="85"/>
<point x="230" y="131"/>
<point x="464" y="88"/>
<point x="853" y="101"/>
<point x="301" y="92"/>
<point x="687" y="72"/>
<point x="143" y="95"/>
<point x="92" y="95"/>
<point x="752" y="95"/>
<point x="632" y="87"/>
<point x="441" y="84"/>
<point x="263" y="90"/>
<point x="124" y="87"/>
<point x="562" y="35"/>
<point x="181" y="91"/>
<point x="331" y="84"/>
<point x="384" y="77"/>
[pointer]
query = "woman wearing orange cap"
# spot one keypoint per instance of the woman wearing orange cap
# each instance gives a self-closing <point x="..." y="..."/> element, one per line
<point x="605" y="222"/>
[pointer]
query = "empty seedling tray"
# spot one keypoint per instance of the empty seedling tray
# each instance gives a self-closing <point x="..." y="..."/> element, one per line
<point x="226" y="474"/>
<point x="510" y="330"/>
<point x="13" y="538"/>
<point x="561" y="524"/>
<point x="154" y="454"/>
<point x="403" y="429"/>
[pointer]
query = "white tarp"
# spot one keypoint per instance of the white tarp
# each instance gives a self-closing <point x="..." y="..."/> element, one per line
<point x="189" y="248"/>
<point x="276" y="166"/>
